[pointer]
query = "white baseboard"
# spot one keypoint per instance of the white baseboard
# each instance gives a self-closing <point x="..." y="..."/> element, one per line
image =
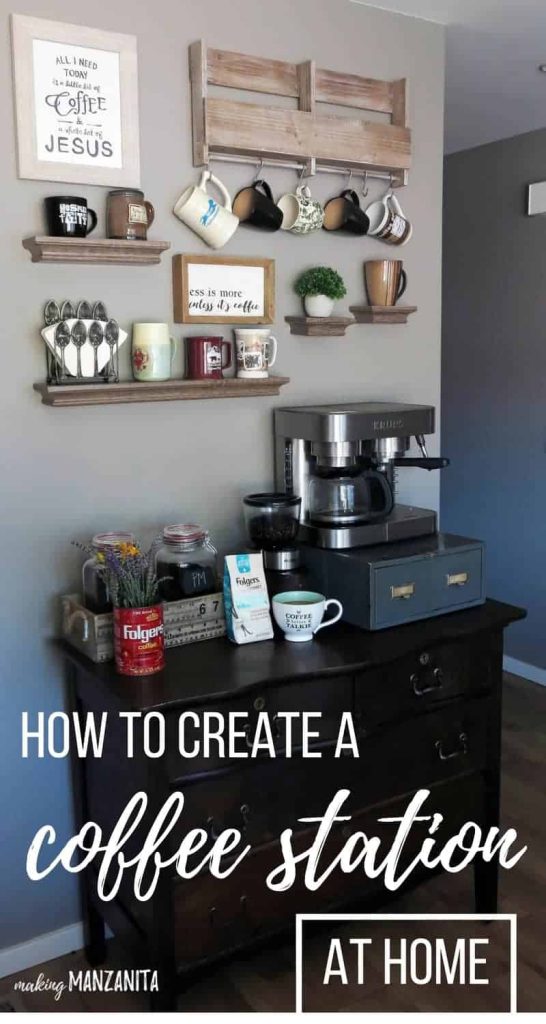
<point x="15" y="959"/>
<point x="520" y="668"/>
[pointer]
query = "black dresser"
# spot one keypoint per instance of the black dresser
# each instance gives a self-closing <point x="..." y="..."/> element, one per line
<point x="426" y="701"/>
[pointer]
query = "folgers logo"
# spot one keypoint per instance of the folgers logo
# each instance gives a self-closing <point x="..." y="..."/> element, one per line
<point x="247" y="581"/>
<point x="138" y="633"/>
<point x="139" y="640"/>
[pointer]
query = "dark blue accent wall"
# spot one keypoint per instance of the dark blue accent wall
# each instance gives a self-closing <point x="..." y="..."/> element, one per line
<point x="494" y="373"/>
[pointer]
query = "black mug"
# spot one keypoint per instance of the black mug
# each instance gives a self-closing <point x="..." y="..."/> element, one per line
<point x="258" y="208"/>
<point x="69" y="217"/>
<point x="344" y="214"/>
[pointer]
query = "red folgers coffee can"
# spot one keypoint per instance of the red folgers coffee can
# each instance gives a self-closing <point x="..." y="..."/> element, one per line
<point x="139" y="644"/>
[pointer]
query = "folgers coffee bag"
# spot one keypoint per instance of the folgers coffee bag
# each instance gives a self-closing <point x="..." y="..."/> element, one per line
<point x="246" y="601"/>
<point x="139" y="640"/>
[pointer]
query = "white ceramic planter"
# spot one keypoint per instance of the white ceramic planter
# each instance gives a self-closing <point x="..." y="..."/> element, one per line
<point x="318" y="305"/>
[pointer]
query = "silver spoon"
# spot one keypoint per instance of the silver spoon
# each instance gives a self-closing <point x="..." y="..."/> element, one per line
<point x="79" y="337"/>
<point x="99" y="311"/>
<point x="67" y="311"/>
<point x="85" y="311"/>
<point x="52" y="313"/>
<point x="62" y="339"/>
<point x="96" y="334"/>
<point x="111" y="335"/>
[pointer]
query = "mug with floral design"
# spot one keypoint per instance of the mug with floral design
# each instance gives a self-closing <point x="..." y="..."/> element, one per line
<point x="301" y="213"/>
<point x="152" y="352"/>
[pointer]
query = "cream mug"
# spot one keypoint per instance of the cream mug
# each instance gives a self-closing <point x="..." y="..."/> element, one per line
<point x="299" y="614"/>
<point x="388" y="222"/>
<point x="152" y="352"/>
<point x="300" y="213"/>
<point x="256" y="352"/>
<point x="214" y="223"/>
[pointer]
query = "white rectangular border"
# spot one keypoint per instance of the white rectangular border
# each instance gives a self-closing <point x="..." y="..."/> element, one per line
<point x="23" y="30"/>
<point x="512" y="918"/>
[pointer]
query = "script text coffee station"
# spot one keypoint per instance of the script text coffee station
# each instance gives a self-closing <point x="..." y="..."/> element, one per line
<point x="416" y="660"/>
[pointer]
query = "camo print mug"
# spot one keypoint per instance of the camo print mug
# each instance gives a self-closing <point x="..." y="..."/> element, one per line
<point x="214" y="223"/>
<point x="301" y="213"/>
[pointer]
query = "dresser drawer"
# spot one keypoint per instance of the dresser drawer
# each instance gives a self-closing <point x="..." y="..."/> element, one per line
<point x="213" y="916"/>
<point x="263" y="798"/>
<point x="424" y="679"/>
<point x="424" y="750"/>
<point x="329" y="697"/>
<point x="404" y="592"/>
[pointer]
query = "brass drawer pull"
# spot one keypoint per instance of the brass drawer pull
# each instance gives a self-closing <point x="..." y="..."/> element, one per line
<point x="404" y="591"/>
<point x="420" y="691"/>
<point x="460" y="752"/>
<point x="457" y="579"/>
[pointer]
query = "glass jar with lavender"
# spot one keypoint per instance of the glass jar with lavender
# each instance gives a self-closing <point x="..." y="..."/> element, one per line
<point x="95" y="594"/>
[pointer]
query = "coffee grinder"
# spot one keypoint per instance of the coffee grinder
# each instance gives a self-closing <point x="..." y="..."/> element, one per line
<point x="272" y="523"/>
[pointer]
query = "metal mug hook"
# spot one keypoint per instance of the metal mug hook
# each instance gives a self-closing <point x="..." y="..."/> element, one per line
<point x="365" y="188"/>
<point x="258" y="170"/>
<point x="349" y="179"/>
<point x="302" y="174"/>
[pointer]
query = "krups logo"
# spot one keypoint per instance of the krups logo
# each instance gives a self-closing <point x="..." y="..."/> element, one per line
<point x="388" y="424"/>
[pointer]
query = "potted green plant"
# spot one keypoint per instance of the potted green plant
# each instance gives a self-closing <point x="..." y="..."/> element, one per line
<point x="319" y="287"/>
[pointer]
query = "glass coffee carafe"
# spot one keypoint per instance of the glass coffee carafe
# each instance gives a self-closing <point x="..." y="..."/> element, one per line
<point x="349" y="495"/>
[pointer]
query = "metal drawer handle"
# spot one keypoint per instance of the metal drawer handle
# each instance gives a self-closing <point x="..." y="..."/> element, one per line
<point x="404" y="591"/>
<point x="457" y="579"/>
<point x="462" y="750"/>
<point x="211" y="828"/>
<point x="420" y="691"/>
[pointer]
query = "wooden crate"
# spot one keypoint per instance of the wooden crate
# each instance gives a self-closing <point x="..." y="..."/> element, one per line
<point x="309" y="134"/>
<point x="186" y="622"/>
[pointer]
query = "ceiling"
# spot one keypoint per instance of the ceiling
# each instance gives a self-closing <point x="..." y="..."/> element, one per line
<point x="493" y="87"/>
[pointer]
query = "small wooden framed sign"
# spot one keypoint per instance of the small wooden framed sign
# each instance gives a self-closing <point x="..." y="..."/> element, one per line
<point x="76" y="99"/>
<point x="223" y="290"/>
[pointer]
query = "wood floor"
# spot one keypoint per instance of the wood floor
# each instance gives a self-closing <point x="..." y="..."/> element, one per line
<point x="265" y="981"/>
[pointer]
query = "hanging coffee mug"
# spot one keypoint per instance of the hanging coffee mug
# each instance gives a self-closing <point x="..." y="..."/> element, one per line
<point x="300" y="213"/>
<point x="152" y="352"/>
<point x="256" y="352"/>
<point x="385" y="281"/>
<point x="207" y="357"/>
<point x="344" y="214"/>
<point x="255" y="205"/>
<point x="388" y="222"/>
<point x="214" y="223"/>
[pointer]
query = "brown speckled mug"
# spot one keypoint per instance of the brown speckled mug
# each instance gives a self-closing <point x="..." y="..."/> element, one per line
<point x="128" y="214"/>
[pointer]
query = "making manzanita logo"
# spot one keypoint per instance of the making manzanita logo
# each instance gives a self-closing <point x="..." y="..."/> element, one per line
<point x="137" y="980"/>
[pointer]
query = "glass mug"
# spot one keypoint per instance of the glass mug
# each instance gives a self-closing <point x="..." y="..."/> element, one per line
<point x="256" y="352"/>
<point x="152" y="352"/>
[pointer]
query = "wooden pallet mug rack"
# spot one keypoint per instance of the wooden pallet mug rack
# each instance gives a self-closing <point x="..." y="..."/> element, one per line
<point x="308" y="135"/>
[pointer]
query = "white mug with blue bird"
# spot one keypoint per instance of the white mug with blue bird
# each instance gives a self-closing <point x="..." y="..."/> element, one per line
<point x="213" y="222"/>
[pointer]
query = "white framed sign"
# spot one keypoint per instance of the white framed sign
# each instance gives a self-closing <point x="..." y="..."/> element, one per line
<point x="76" y="98"/>
<point x="223" y="289"/>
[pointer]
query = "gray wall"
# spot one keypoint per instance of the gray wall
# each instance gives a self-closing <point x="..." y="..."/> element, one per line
<point x="494" y="372"/>
<point x="68" y="473"/>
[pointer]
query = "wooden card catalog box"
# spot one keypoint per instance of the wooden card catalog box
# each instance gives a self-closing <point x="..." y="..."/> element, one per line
<point x="307" y="134"/>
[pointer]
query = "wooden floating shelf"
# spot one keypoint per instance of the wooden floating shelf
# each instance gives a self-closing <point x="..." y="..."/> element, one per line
<point x="50" y="249"/>
<point x="320" y="326"/>
<point x="382" y="314"/>
<point x="159" y="391"/>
